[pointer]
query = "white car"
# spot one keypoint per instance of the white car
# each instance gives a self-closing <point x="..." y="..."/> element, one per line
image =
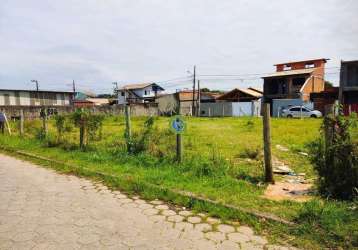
<point x="300" y="111"/>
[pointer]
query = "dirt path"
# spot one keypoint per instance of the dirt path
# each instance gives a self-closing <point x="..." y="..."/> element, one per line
<point x="41" y="209"/>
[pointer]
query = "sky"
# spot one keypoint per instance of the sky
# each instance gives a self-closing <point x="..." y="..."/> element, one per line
<point x="97" y="42"/>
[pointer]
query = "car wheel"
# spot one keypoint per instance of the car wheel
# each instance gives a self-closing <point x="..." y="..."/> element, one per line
<point x="313" y="116"/>
<point x="289" y="116"/>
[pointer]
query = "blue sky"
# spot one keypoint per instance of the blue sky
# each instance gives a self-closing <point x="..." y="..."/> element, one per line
<point x="97" y="42"/>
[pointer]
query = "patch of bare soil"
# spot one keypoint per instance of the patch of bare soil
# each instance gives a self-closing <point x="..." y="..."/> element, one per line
<point x="292" y="186"/>
<point x="289" y="191"/>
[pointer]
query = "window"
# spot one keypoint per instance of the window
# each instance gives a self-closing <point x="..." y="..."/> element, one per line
<point x="295" y="109"/>
<point x="287" y="67"/>
<point x="122" y="93"/>
<point x="146" y="92"/>
<point x="309" y="65"/>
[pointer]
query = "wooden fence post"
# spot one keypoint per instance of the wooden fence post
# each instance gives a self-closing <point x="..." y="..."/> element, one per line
<point x="22" y="122"/>
<point x="267" y="144"/>
<point x="179" y="148"/>
<point x="7" y="124"/>
<point x="44" y="122"/>
<point x="128" y="133"/>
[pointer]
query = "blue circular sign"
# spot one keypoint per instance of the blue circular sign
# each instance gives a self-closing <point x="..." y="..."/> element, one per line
<point x="177" y="124"/>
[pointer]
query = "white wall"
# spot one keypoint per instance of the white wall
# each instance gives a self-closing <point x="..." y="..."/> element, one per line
<point x="25" y="98"/>
<point x="241" y="109"/>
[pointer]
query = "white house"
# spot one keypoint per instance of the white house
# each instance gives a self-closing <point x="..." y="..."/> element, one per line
<point x="10" y="97"/>
<point x="138" y="93"/>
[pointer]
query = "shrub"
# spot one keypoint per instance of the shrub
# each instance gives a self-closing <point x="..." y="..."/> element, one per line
<point x="60" y="126"/>
<point x="335" y="157"/>
<point x="88" y="123"/>
<point x="251" y="153"/>
<point x="139" y="142"/>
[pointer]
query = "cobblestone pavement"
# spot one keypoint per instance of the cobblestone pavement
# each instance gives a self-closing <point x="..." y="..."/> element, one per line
<point x="41" y="209"/>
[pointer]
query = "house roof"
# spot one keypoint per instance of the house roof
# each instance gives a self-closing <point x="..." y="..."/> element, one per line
<point x="308" y="61"/>
<point x="139" y="86"/>
<point x="187" y="95"/>
<point x="249" y="92"/>
<point x="348" y="62"/>
<point x="290" y="72"/>
<point x="46" y="91"/>
<point x="257" y="90"/>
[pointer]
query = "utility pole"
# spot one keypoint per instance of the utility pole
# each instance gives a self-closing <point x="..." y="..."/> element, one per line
<point x="115" y="89"/>
<point x="116" y="85"/>
<point x="194" y="82"/>
<point x="73" y="86"/>
<point x="37" y="84"/>
<point x="199" y="99"/>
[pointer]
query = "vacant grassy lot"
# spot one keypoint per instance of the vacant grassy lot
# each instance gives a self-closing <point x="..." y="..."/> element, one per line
<point x="222" y="161"/>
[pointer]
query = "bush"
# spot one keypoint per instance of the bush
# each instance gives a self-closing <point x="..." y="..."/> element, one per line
<point x="60" y="126"/>
<point x="335" y="158"/>
<point x="89" y="125"/>
<point x="139" y="142"/>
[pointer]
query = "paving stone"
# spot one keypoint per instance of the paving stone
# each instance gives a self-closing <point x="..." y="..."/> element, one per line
<point x="139" y="201"/>
<point x="168" y="212"/>
<point x="185" y="213"/>
<point x="162" y="207"/>
<point x="150" y="211"/>
<point x="145" y="206"/>
<point x="183" y="226"/>
<point x="276" y="247"/>
<point x="250" y="246"/>
<point x="121" y="196"/>
<point x="212" y="220"/>
<point x="203" y="227"/>
<point x="26" y="236"/>
<point x="124" y="201"/>
<point x="157" y="218"/>
<point x="226" y="245"/>
<point x="215" y="236"/>
<point x="239" y="237"/>
<point x="194" y="219"/>
<point x="175" y="218"/>
<point x="259" y="240"/>
<point x="156" y="202"/>
<point x="245" y="230"/>
<point x="226" y="228"/>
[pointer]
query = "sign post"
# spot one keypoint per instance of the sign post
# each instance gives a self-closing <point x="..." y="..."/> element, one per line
<point x="177" y="125"/>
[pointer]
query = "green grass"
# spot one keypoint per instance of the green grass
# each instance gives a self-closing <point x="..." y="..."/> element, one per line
<point x="214" y="166"/>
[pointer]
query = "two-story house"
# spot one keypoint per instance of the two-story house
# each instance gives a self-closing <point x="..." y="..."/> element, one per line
<point x="294" y="81"/>
<point x="138" y="93"/>
<point x="348" y="89"/>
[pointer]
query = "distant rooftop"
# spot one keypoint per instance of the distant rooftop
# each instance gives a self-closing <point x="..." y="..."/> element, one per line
<point x="139" y="86"/>
<point x="290" y="72"/>
<point x="306" y="61"/>
<point x="34" y="90"/>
